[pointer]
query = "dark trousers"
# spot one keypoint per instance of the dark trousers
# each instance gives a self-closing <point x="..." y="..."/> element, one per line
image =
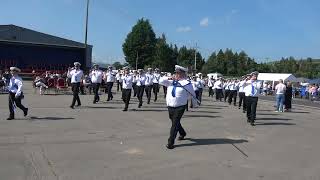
<point x="75" y="90"/>
<point x="17" y="101"/>
<point x="148" y="90"/>
<point x="119" y="85"/>
<point x="251" y="107"/>
<point x="219" y="94"/>
<point x="242" y="100"/>
<point x="165" y="91"/>
<point x="210" y="92"/>
<point x="175" y="115"/>
<point x="109" y="90"/>
<point x="226" y="94"/>
<point x="200" y="94"/>
<point x="232" y="95"/>
<point x="197" y="92"/>
<point x="126" y="95"/>
<point x="140" y="94"/>
<point x="134" y="87"/>
<point x="155" y="91"/>
<point x="96" y="87"/>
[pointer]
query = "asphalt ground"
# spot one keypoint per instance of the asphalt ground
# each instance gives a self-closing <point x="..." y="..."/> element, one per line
<point x="99" y="141"/>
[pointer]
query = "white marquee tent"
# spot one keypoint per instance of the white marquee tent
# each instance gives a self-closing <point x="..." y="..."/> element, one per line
<point x="276" y="76"/>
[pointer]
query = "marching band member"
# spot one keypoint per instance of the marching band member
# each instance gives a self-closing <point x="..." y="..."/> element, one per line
<point x="210" y="85"/>
<point x="118" y="78"/>
<point x="109" y="77"/>
<point x="15" y="93"/>
<point x="126" y="87"/>
<point x="201" y="86"/>
<point x="252" y="90"/>
<point x="156" y="87"/>
<point x="179" y="89"/>
<point x="76" y="75"/>
<point x="242" y="94"/>
<point x="134" y="82"/>
<point x="196" y="86"/>
<point x="233" y="89"/>
<point x="149" y="84"/>
<point x="218" y="87"/>
<point x="96" y="76"/>
<point x="226" y="90"/>
<point x="141" y="79"/>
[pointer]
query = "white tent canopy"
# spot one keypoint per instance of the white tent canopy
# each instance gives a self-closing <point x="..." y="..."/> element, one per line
<point x="276" y="76"/>
<point x="215" y="75"/>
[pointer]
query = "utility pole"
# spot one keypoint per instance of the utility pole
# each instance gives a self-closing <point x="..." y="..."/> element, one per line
<point x="195" y="58"/>
<point x="86" y="32"/>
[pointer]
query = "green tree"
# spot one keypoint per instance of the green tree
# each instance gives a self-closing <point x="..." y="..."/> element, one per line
<point x="141" y="40"/>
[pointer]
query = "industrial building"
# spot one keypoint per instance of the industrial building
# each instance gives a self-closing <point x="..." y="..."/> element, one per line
<point x="31" y="50"/>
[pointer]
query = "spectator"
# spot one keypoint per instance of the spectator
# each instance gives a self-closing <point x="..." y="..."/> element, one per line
<point x="280" y="90"/>
<point x="288" y="97"/>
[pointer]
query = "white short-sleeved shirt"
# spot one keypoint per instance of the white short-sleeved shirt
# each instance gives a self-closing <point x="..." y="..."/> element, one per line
<point x="280" y="88"/>
<point x="149" y="79"/>
<point x="156" y="78"/>
<point x="96" y="76"/>
<point x="252" y="88"/>
<point x="179" y="96"/>
<point x="109" y="76"/>
<point x="15" y="85"/>
<point x="127" y="81"/>
<point x="75" y="75"/>
<point x="218" y="85"/>
<point x="141" y="80"/>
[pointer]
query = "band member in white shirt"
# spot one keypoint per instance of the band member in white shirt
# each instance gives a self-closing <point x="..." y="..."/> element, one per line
<point x="15" y="93"/>
<point x="252" y="91"/>
<point x="210" y="85"/>
<point x="226" y="90"/>
<point x="134" y="83"/>
<point x="141" y="80"/>
<point x="76" y="75"/>
<point x="96" y="76"/>
<point x="242" y="96"/>
<point x="233" y="89"/>
<point x="218" y="87"/>
<point x="280" y="90"/>
<point x="178" y="92"/>
<point x="126" y="87"/>
<point x="109" y="78"/>
<point x="196" y="85"/>
<point x="156" y="87"/>
<point x="118" y="78"/>
<point x="149" y="84"/>
<point x="201" y="86"/>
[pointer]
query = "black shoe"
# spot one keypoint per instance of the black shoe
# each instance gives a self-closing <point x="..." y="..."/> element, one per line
<point x="252" y="124"/>
<point x="125" y="109"/>
<point x="243" y="111"/>
<point x="170" y="146"/>
<point x="248" y="120"/>
<point x="78" y="105"/>
<point x="108" y="99"/>
<point x="10" y="118"/>
<point x="139" y="106"/>
<point x="239" y="107"/>
<point x="72" y="107"/>
<point x="94" y="102"/>
<point x="25" y="113"/>
<point x="180" y="138"/>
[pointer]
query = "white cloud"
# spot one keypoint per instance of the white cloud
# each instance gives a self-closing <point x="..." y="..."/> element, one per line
<point x="184" y="29"/>
<point x="204" y="22"/>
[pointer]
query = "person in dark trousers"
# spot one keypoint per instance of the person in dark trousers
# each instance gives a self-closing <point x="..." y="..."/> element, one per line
<point x="15" y="93"/>
<point x="156" y="78"/>
<point x="76" y="75"/>
<point x="233" y="88"/>
<point x="242" y="95"/>
<point x="119" y="81"/>
<point x="252" y="91"/>
<point x="109" y="77"/>
<point x="226" y="90"/>
<point x="96" y="76"/>
<point x="201" y="86"/>
<point x="210" y="85"/>
<point x="134" y="83"/>
<point x="126" y="87"/>
<point x="218" y="85"/>
<point x="179" y="90"/>
<point x="141" y="80"/>
<point x="288" y="97"/>
<point x="149" y="84"/>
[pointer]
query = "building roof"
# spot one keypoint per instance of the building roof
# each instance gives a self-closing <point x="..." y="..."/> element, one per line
<point x="13" y="33"/>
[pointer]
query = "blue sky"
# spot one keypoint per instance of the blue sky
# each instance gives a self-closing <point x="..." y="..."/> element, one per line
<point x="263" y="28"/>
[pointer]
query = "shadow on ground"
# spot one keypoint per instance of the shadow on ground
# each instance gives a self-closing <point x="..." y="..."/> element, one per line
<point x="201" y="142"/>
<point x="50" y="118"/>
